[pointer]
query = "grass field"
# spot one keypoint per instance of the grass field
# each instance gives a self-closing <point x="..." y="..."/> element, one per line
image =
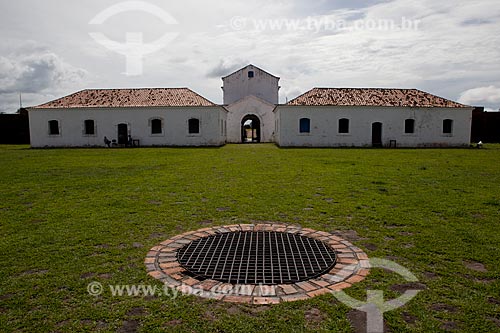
<point x="70" y="217"/>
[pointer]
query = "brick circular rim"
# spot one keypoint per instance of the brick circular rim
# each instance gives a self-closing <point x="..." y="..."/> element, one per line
<point x="352" y="266"/>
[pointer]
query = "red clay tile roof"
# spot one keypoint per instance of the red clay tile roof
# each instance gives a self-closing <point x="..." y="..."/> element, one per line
<point x="372" y="97"/>
<point x="127" y="98"/>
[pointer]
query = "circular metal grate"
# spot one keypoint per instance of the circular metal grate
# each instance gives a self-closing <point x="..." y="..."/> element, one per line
<point x="255" y="257"/>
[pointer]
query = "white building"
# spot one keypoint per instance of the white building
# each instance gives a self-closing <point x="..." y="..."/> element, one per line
<point x="150" y="117"/>
<point x="250" y="96"/>
<point x="251" y="81"/>
<point x="322" y="117"/>
<point x="329" y="117"/>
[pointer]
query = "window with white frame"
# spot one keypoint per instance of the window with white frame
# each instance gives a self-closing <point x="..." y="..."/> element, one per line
<point x="304" y="125"/>
<point x="156" y="125"/>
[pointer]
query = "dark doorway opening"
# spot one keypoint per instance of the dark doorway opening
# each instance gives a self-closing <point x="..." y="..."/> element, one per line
<point x="250" y="129"/>
<point x="377" y="134"/>
<point x="122" y="134"/>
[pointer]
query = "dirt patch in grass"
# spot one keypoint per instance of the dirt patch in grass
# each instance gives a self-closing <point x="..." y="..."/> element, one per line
<point x="370" y="246"/>
<point x="156" y="235"/>
<point x="233" y="310"/>
<point x="475" y="266"/>
<point x="87" y="275"/>
<point x="210" y="316"/>
<point x="484" y="280"/>
<point x="174" y="322"/>
<point x="129" y="326"/>
<point x="495" y="321"/>
<point x="409" y="318"/>
<point x="105" y="276"/>
<point x="35" y="271"/>
<point x="402" y="287"/>
<point x="430" y="275"/>
<point x="350" y="235"/>
<point x="100" y="325"/>
<point x="206" y="222"/>
<point x="493" y="300"/>
<point x="314" y="317"/>
<point x="393" y="226"/>
<point x="442" y="307"/>
<point x="62" y="323"/>
<point x="449" y="326"/>
<point x="137" y="245"/>
<point x="393" y="258"/>
<point x="358" y="321"/>
<point x="255" y="311"/>
<point x="86" y="322"/>
<point x="136" y="312"/>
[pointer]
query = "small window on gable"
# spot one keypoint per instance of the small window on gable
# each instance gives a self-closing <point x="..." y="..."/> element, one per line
<point x="54" y="127"/>
<point x="156" y="126"/>
<point x="251" y="74"/>
<point x="344" y="126"/>
<point x="305" y="125"/>
<point x="447" y="126"/>
<point x="194" y="126"/>
<point x="89" y="127"/>
<point x="410" y="126"/>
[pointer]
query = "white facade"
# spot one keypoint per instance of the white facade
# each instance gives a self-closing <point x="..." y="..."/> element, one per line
<point x="247" y="107"/>
<point x="324" y="126"/>
<point x="174" y="126"/>
<point x="321" y="117"/>
<point x="251" y="81"/>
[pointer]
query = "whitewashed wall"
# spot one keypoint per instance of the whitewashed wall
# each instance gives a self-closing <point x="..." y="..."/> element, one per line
<point x="324" y="126"/>
<point x="250" y="105"/>
<point x="175" y="126"/>
<point x="238" y="86"/>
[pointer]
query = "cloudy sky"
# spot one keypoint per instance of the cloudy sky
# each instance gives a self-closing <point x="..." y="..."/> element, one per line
<point x="52" y="48"/>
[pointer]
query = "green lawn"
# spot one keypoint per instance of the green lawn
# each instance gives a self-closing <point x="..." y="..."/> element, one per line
<point x="70" y="217"/>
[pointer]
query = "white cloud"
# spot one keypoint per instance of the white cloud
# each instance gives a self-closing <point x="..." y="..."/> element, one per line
<point x="456" y="46"/>
<point x="481" y="96"/>
<point x="36" y="72"/>
<point x="226" y="66"/>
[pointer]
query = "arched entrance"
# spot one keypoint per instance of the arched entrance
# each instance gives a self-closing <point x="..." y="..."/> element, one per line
<point x="377" y="134"/>
<point x="250" y="129"/>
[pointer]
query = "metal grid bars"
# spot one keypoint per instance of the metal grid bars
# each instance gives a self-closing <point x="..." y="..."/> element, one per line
<point x="257" y="257"/>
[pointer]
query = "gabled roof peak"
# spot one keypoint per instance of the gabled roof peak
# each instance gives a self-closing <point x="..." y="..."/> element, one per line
<point x="372" y="97"/>
<point x="131" y="97"/>
<point x="252" y="66"/>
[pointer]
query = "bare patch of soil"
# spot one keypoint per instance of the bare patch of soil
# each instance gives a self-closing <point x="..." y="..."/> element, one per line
<point x="475" y="266"/>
